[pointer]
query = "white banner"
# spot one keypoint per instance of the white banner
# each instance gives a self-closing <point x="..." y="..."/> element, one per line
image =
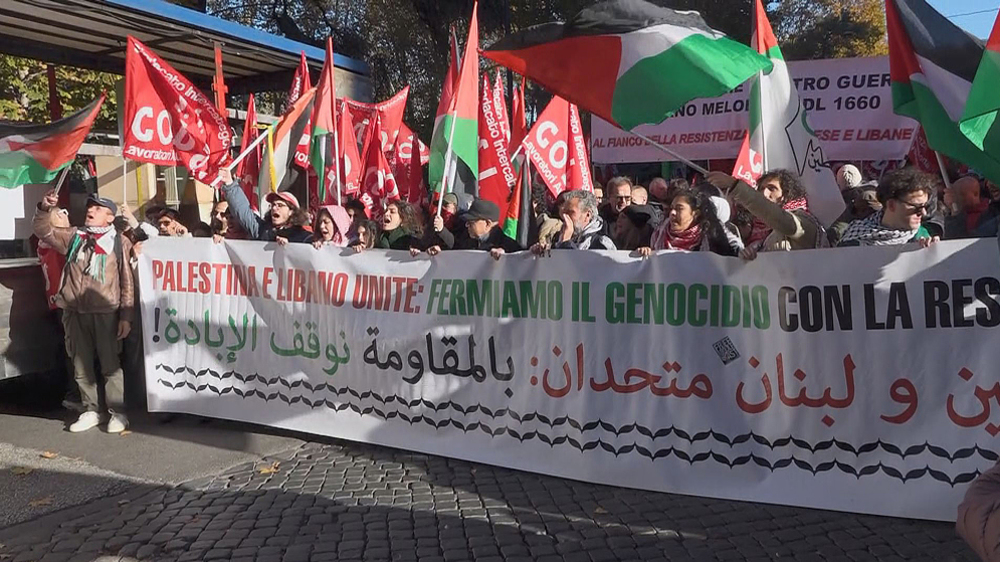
<point x="855" y="379"/>
<point x="849" y="103"/>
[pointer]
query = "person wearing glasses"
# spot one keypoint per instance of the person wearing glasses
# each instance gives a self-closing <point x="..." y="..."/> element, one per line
<point x="906" y="198"/>
<point x="223" y="225"/>
<point x="618" y="196"/>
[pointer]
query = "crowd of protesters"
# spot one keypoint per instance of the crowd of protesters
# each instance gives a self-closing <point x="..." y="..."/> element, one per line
<point x="91" y="279"/>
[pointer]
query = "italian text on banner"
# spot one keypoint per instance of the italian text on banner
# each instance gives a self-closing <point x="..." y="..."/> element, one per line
<point x="858" y="379"/>
<point x="168" y="120"/>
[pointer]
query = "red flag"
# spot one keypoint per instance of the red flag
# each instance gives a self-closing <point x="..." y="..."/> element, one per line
<point x="390" y="112"/>
<point x="749" y="164"/>
<point x="557" y="148"/>
<point x="348" y="157"/>
<point x="500" y="106"/>
<point x="301" y="83"/>
<point x="168" y="119"/>
<point x="519" y="120"/>
<point x="578" y="175"/>
<point x="406" y="161"/>
<point x="378" y="181"/>
<point x="249" y="168"/>
<point x="496" y="175"/>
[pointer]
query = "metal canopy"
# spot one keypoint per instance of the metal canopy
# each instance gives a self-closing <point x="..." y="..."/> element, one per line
<point x="93" y="34"/>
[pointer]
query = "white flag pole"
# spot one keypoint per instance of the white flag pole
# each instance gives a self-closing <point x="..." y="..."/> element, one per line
<point x="447" y="162"/>
<point x="62" y="179"/>
<point x="124" y="180"/>
<point x="944" y="171"/>
<point x="336" y="151"/>
<point x="763" y="121"/>
<point x="666" y="150"/>
<point x="246" y="152"/>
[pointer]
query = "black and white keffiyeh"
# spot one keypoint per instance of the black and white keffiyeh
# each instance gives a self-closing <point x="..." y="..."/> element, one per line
<point x="871" y="232"/>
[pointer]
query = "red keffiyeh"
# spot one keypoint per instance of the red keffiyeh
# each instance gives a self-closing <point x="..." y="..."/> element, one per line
<point x="688" y="239"/>
<point x="760" y="230"/>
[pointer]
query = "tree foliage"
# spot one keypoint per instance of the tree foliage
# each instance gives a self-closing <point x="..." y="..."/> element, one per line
<point x="819" y="29"/>
<point x="24" y="91"/>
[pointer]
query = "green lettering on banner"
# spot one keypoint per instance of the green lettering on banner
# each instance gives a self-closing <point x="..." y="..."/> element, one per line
<point x="614" y="309"/>
<point x="653" y="301"/>
<point x="632" y="290"/>
<point x="761" y="308"/>
<point x="730" y="306"/>
<point x="532" y="298"/>
<point x="480" y="303"/>
<point x="510" y="309"/>
<point x="676" y="304"/>
<point x="697" y="317"/>
<point x="457" y="304"/>
<point x="433" y="293"/>
<point x="555" y="299"/>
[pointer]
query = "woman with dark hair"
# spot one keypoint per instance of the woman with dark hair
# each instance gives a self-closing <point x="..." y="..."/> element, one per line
<point x="634" y="227"/>
<point x="782" y="220"/>
<point x="364" y="233"/>
<point x="691" y="225"/>
<point x="331" y="226"/>
<point x="401" y="227"/>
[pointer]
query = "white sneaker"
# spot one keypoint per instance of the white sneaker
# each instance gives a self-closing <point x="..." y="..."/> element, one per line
<point x="87" y="420"/>
<point x="117" y="423"/>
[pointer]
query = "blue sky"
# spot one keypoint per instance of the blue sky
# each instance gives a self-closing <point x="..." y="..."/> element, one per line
<point x="978" y="24"/>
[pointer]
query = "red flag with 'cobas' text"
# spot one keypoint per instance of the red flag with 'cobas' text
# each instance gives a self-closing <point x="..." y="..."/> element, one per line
<point x="168" y="120"/>
<point x="378" y="180"/>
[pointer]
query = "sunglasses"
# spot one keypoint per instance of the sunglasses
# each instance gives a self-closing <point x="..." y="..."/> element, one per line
<point x="914" y="209"/>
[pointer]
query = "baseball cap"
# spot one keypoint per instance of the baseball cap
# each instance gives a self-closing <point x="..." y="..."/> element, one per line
<point x="483" y="209"/>
<point x="285" y="196"/>
<point x="102" y="202"/>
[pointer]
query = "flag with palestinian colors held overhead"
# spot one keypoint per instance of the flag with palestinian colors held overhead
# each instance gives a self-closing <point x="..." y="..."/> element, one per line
<point x="277" y="170"/>
<point x="780" y="137"/>
<point x="629" y="62"/>
<point x="979" y="120"/>
<point x="301" y="83"/>
<point x="34" y="154"/>
<point x="457" y="138"/>
<point x="323" y="123"/>
<point x="932" y="65"/>
<point x="248" y="169"/>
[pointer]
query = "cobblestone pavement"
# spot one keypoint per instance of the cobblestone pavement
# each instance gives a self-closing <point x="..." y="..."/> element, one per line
<point x="353" y="502"/>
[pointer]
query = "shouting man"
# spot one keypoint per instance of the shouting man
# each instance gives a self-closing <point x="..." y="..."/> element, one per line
<point x="97" y="297"/>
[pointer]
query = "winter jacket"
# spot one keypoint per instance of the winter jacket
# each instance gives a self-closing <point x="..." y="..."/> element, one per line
<point x="979" y="516"/>
<point x="495" y="239"/>
<point x="256" y="227"/>
<point x="790" y="230"/>
<point x="398" y="239"/>
<point x="590" y="237"/>
<point x="112" y="290"/>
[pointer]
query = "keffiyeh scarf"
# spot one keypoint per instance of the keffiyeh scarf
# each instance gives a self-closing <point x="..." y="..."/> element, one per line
<point x="759" y="229"/>
<point x="871" y="232"/>
<point x="689" y="239"/>
<point x="91" y="247"/>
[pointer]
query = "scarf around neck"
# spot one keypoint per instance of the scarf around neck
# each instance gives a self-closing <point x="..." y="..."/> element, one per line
<point x="759" y="229"/>
<point x="91" y="247"/>
<point x="871" y="232"/>
<point x="689" y="239"/>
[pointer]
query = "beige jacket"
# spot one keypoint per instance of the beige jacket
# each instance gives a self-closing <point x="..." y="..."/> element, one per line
<point x="790" y="230"/>
<point x="80" y="292"/>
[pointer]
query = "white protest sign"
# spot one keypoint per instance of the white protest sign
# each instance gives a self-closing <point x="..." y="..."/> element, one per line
<point x="849" y="102"/>
<point x="858" y="379"/>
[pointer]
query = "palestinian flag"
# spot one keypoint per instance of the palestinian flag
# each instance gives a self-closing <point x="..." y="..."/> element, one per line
<point x="323" y="123"/>
<point x="439" y="138"/>
<point x="31" y="154"/>
<point x="277" y="172"/>
<point x="780" y="132"/>
<point x="628" y="61"/>
<point x="456" y="141"/>
<point x="932" y="74"/>
<point x="983" y="104"/>
<point x="517" y="219"/>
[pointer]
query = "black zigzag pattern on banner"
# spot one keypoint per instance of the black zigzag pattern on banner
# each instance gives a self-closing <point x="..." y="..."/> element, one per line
<point x="588" y="445"/>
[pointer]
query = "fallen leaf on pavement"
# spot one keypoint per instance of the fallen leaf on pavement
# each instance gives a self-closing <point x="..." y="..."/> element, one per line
<point x="124" y="433"/>
<point x="270" y="469"/>
<point x="21" y="470"/>
<point x="42" y="501"/>
<point x="49" y="455"/>
<point x="600" y="511"/>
